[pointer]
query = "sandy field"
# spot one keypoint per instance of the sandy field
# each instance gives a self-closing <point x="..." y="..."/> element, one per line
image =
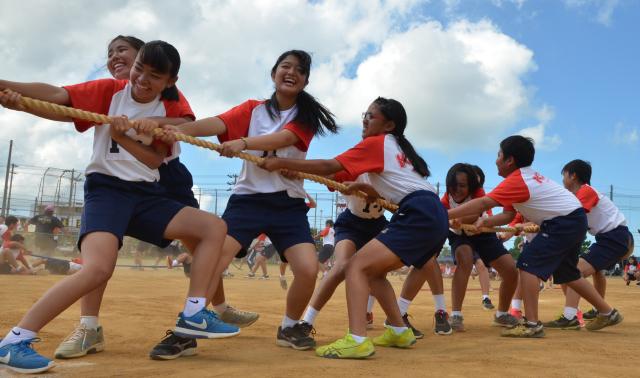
<point x="140" y="305"/>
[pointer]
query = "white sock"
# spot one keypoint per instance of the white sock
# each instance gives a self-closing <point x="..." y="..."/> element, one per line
<point x="16" y="335"/>
<point x="91" y="322"/>
<point x="358" y="339"/>
<point x="175" y="263"/>
<point x="500" y="313"/>
<point x="282" y="277"/>
<point x="570" y="312"/>
<point x="404" y="305"/>
<point x="370" y="303"/>
<point x="454" y="313"/>
<point x="220" y="308"/>
<point x="193" y="304"/>
<point x="287" y="322"/>
<point x="397" y="330"/>
<point x="439" y="302"/>
<point x="516" y="304"/>
<point x="310" y="315"/>
<point x="485" y="296"/>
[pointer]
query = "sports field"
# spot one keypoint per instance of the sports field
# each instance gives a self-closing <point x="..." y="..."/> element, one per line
<point x="140" y="305"/>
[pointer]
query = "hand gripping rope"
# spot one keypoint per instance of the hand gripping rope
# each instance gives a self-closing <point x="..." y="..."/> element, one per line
<point x="34" y="104"/>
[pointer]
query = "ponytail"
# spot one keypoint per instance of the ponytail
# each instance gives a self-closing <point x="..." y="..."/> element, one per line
<point x="394" y="111"/>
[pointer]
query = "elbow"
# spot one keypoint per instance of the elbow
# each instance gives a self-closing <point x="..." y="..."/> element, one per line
<point x="154" y="163"/>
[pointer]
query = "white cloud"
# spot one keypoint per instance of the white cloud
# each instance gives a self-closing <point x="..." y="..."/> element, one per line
<point x="603" y="9"/>
<point x="463" y="83"/>
<point x="539" y="132"/>
<point x="623" y="134"/>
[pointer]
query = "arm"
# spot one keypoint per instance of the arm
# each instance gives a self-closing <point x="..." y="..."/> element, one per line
<point x="24" y="261"/>
<point x="152" y="156"/>
<point x="473" y="207"/>
<point x="269" y="142"/>
<point x="204" y="127"/>
<point x="497" y="220"/>
<point x="13" y="91"/>
<point x="316" y="166"/>
<point x="312" y="203"/>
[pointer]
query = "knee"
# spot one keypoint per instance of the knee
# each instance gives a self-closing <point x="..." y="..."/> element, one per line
<point x="306" y="272"/>
<point x="97" y="275"/>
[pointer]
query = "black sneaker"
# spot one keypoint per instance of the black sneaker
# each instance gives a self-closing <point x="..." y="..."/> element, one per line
<point x="442" y="326"/>
<point x="563" y="323"/>
<point x="590" y="315"/>
<point x="298" y="337"/>
<point x="416" y="332"/>
<point x="173" y="346"/>
<point x="487" y="305"/>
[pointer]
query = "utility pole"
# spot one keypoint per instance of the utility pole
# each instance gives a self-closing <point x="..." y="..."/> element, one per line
<point x="71" y="188"/>
<point x="234" y="180"/>
<point x="611" y="192"/>
<point x="438" y="189"/>
<point x="13" y="166"/>
<point x="6" y="181"/>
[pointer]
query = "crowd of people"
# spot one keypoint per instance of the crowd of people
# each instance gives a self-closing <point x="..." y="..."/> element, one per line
<point x="136" y="185"/>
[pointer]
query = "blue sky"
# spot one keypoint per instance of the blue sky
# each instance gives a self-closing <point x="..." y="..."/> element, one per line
<point x="469" y="73"/>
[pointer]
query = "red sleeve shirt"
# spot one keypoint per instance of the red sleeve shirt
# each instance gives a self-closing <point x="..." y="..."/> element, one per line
<point x="6" y="239"/>
<point x="511" y="190"/>
<point x="445" y="201"/>
<point x="184" y="108"/>
<point x="238" y="119"/>
<point x="587" y="197"/>
<point x="93" y="96"/>
<point x="366" y="156"/>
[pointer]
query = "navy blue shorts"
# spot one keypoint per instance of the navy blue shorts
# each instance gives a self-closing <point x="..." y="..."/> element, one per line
<point x="282" y="218"/>
<point x="359" y="230"/>
<point x="177" y="181"/>
<point x="555" y="250"/>
<point x="486" y="246"/>
<point x="418" y="230"/>
<point x="137" y="209"/>
<point x="609" y="248"/>
<point x="325" y="253"/>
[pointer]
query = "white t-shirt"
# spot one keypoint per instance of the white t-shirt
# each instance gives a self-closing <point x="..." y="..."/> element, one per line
<point x="113" y="97"/>
<point x="328" y="236"/>
<point x="534" y="196"/>
<point x="390" y="172"/>
<point x="602" y="214"/>
<point x="252" y="119"/>
<point x="357" y="205"/>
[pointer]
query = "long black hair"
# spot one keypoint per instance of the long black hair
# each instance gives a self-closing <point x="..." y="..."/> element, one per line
<point x="392" y="110"/>
<point x="165" y="58"/>
<point x="472" y="178"/>
<point x="311" y="113"/>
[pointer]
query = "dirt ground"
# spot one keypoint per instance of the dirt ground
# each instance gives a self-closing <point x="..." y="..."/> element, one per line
<point x="140" y="306"/>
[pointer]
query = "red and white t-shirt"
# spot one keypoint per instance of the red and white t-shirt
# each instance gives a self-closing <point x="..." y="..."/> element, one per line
<point x="357" y="205"/>
<point x="175" y="149"/>
<point x="390" y="172"/>
<point x="602" y="214"/>
<point x="534" y="196"/>
<point x="328" y="236"/>
<point x="252" y="119"/>
<point x="449" y="203"/>
<point x="113" y="97"/>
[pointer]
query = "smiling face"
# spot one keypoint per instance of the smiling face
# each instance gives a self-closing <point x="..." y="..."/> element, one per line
<point x="505" y="166"/>
<point x="461" y="191"/>
<point x="374" y="122"/>
<point x="290" y="77"/>
<point x="120" y="58"/>
<point x="147" y="82"/>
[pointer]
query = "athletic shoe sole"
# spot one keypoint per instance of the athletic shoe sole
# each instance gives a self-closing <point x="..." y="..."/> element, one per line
<point x="185" y="353"/>
<point x="32" y="371"/>
<point x="96" y="348"/>
<point x="190" y="333"/>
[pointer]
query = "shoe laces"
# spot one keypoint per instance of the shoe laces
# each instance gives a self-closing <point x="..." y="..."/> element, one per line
<point x="306" y="328"/>
<point x="25" y="348"/>
<point x="78" y="333"/>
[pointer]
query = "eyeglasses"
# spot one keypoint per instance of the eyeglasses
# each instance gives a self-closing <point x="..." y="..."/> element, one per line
<point x="368" y="116"/>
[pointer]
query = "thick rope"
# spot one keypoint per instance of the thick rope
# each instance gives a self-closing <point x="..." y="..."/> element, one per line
<point x="527" y="229"/>
<point x="66" y="111"/>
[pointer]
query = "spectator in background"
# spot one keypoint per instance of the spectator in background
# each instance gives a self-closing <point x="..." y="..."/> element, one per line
<point x="47" y="229"/>
<point x="631" y="271"/>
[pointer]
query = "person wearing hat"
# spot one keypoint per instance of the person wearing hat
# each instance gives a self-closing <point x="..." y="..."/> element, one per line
<point x="47" y="228"/>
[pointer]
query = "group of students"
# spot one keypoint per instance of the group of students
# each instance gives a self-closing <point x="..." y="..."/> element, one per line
<point x="136" y="186"/>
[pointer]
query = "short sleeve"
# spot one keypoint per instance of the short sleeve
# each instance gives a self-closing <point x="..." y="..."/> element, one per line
<point x="445" y="201"/>
<point x="178" y="109"/>
<point x="587" y="197"/>
<point x="303" y="133"/>
<point x="366" y="156"/>
<point x="511" y="190"/>
<point x="93" y="96"/>
<point x="237" y="120"/>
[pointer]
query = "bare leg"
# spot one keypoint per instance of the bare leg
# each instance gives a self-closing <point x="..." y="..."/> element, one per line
<point x="464" y="259"/>
<point x="304" y="264"/>
<point x="345" y="249"/>
<point x="507" y="269"/>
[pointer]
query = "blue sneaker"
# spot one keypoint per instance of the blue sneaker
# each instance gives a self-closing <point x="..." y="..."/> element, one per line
<point x="22" y="358"/>
<point x="204" y="324"/>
